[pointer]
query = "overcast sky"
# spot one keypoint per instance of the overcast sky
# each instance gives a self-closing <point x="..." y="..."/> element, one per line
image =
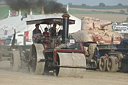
<point x="94" y="2"/>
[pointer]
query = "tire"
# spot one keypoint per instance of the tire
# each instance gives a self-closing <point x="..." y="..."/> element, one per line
<point x="15" y="62"/>
<point x="112" y="65"/>
<point x="103" y="64"/>
<point x="124" y="68"/>
<point x="91" y="50"/>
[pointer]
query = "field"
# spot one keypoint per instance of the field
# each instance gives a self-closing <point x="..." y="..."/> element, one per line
<point x="111" y="17"/>
<point x="7" y="77"/>
<point x="99" y="13"/>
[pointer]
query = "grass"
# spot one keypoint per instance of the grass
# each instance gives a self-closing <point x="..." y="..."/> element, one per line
<point x="4" y="10"/>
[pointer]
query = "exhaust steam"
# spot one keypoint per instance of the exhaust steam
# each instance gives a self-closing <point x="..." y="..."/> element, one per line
<point x="50" y="6"/>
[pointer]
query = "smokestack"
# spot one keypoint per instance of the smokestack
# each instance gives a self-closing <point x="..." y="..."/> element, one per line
<point x="65" y="27"/>
<point x="30" y="11"/>
<point x="19" y="12"/>
<point x="42" y="11"/>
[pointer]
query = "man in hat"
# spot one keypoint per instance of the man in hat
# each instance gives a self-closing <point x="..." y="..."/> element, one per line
<point x="36" y="34"/>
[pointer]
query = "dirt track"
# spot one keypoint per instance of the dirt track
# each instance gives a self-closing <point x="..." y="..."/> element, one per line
<point x="8" y="77"/>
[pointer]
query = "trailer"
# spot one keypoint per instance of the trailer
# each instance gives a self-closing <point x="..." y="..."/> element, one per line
<point x="111" y="57"/>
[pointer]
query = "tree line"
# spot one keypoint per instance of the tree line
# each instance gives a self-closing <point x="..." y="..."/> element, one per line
<point x="100" y="6"/>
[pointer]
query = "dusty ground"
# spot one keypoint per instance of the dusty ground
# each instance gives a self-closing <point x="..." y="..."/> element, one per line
<point x="8" y="77"/>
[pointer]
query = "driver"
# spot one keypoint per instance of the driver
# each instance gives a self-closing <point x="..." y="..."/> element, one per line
<point x="36" y="34"/>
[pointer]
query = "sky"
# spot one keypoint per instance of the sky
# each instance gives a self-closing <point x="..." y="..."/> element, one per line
<point x="94" y="2"/>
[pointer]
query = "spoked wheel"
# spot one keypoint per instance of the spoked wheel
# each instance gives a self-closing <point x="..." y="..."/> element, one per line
<point x="112" y="65"/>
<point x="36" y="59"/>
<point x="71" y="65"/>
<point x="103" y="64"/>
<point x="15" y="62"/>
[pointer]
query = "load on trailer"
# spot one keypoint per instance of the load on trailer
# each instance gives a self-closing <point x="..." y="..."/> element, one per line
<point x="59" y="55"/>
<point x="103" y="46"/>
<point x="95" y="32"/>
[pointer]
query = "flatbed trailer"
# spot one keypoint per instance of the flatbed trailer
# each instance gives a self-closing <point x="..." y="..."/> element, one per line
<point x="111" y="57"/>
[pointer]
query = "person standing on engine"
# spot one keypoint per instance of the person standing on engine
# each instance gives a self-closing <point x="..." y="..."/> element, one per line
<point x="53" y="30"/>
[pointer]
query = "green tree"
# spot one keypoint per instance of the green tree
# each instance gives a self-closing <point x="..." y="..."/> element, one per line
<point x="83" y="5"/>
<point x="119" y="4"/>
<point x="101" y="5"/>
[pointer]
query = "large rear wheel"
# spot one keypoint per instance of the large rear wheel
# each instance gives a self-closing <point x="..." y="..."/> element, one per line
<point x="36" y="59"/>
<point x="112" y="65"/>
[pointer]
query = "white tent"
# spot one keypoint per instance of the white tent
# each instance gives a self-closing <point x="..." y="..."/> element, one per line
<point x="8" y="25"/>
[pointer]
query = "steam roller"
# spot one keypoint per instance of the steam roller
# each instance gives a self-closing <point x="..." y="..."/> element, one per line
<point x="60" y="62"/>
<point x="57" y="55"/>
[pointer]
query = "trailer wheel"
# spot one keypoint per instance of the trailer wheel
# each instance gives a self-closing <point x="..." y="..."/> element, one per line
<point x="112" y="65"/>
<point x="91" y="50"/>
<point x="124" y="68"/>
<point x="15" y="62"/>
<point x="103" y="64"/>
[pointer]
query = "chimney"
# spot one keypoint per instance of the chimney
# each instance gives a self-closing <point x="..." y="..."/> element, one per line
<point x="42" y="11"/>
<point x="19" y="12"/>
<point x="30" y="11"/>
<point x="65" y="27"/>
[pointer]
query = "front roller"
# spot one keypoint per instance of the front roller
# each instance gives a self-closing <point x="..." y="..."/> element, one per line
<point x="71" y="64"/>
<point x="36" y="59"/>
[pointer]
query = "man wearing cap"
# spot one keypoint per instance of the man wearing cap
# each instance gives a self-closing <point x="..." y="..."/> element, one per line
<point x="36" y="34"/>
